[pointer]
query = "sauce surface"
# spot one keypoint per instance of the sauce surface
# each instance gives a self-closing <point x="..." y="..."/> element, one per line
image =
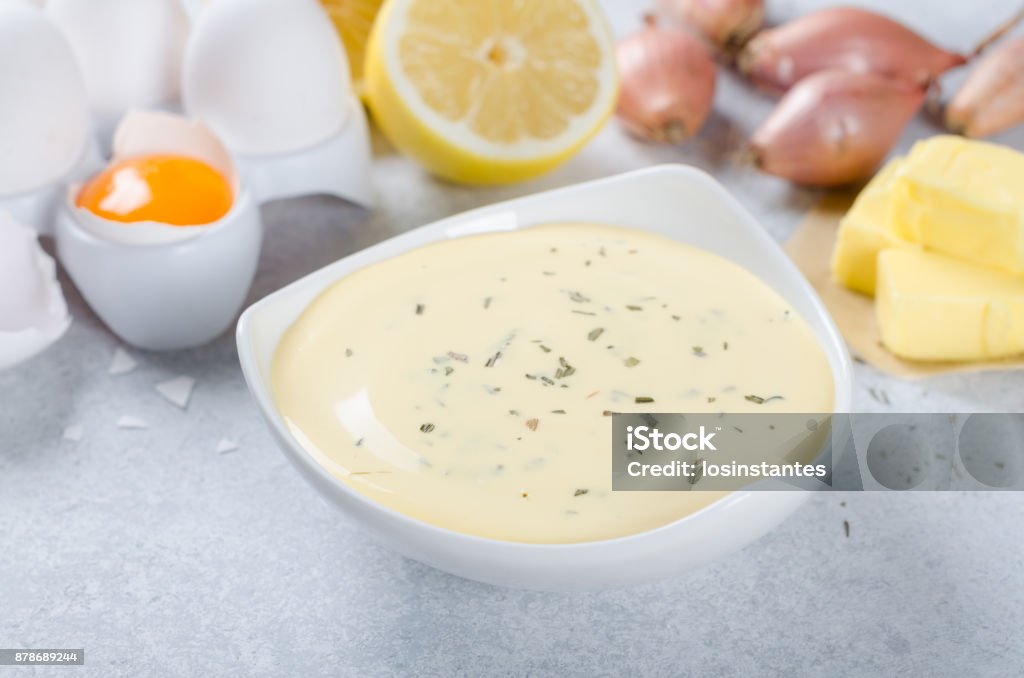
<point x="469" y="383"/>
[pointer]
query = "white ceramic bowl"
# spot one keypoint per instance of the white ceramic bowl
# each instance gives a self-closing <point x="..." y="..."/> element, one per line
<point x="679" y="202"/>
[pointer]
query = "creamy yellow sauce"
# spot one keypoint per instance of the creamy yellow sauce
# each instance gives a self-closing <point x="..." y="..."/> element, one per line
<point x="469" y="383"/>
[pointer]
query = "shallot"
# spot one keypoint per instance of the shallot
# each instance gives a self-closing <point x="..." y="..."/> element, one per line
<point x="726" y="23"/>
<point x="835" y="127"/>
<point x="845" y="38"/>
<point x="668" y="83"/>
<point x="992" y="98"/>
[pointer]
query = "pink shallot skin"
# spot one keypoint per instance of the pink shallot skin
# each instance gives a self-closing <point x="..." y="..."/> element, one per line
<point x="667" y="83"/>
<point x="847" y="38"/>
<point x="835" y="127"/>
<point x="992" y="98"/>
<point x="726" y="23"/>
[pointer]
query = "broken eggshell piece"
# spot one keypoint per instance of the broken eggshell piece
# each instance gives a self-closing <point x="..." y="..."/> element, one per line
<point x="33" y="313"/>
<point x="162" y="287"/>
<point x="153" y="133"/>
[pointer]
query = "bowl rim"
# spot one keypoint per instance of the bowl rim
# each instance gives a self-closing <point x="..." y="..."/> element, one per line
<point x="842" y="371"/>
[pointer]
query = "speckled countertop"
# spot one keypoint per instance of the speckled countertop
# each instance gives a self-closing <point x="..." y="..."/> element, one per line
<point x="161" y="555"/>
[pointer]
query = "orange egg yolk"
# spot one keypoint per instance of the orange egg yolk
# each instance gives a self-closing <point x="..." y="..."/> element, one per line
<point x="168" y="189"/>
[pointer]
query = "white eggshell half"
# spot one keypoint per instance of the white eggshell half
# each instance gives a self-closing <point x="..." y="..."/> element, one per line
<point x="33" y="313"/>
<point x="270" y="76"/>
<point x="146" y="133"/>
<point x="44" y="117"/>
<point x="130" y="51"/>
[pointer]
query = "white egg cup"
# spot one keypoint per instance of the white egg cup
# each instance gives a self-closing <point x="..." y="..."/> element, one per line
<point x="170" y="296"/>
<point x="338" y="166"/>
<point x="36" y="208"/>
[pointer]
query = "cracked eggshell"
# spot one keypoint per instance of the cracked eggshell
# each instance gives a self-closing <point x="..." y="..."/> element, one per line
<point x="161" y="287"/>
<point x="130" y="51"/>
<point x="145" y="133"/>
<point x="33" y="313"/>
<point x="44" y="117"/>
<point x="270" y="76"/>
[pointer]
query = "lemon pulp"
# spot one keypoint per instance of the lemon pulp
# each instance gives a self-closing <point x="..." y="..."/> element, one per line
<point x="489" y="91"/>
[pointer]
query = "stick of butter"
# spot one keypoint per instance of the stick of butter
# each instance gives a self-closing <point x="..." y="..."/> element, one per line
<point x="964" y="198"/>
<point x="931" y="307"/>
<point x="867" y="229"/>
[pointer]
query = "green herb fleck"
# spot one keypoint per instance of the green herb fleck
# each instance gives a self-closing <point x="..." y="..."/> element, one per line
<point x="545" y="348"/>
<point x="580" y="492"/>
<point x="427" y="428"/>
<point x="631" y="361"/>
<point x="644" y="399"/>
<point x="698" y="472"/>
<point x="448" y="370"/>
<point x="493" y="359"/>
<point x="633" y="307"/>
<point x="348" y="353"/>
<point x="566" y="370"/>
<point x="461" y="357"/>
<point x="578" y="298"/>
<point x="419" y="309"/>
<point x="595" y="333"/>
<point x="758" y="400"/>
<point x="487" y="303"/>
<point x="879" y="396"/>
<point x="699" y="351"/>
<point x="557" y="411"/>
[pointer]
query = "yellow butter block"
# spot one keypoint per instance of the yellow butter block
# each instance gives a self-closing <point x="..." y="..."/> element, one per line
<point x="868" y="228"/>
<point x="964" y="198"/>
<point x="932" y="307"/>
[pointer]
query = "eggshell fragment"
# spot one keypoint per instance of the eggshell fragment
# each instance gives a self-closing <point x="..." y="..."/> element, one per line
<point x="33" y="313"/>
<point x="146" y="133"/>
<point x="225" y="446"/>
<point x="177" y="390"/>
<point x="122" y="363"/>
<point x="131" y="422"/>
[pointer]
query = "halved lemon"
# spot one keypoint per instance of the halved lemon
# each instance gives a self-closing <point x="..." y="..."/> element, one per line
<point x="353" y="20"/>
<point x="490" y="91"/>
